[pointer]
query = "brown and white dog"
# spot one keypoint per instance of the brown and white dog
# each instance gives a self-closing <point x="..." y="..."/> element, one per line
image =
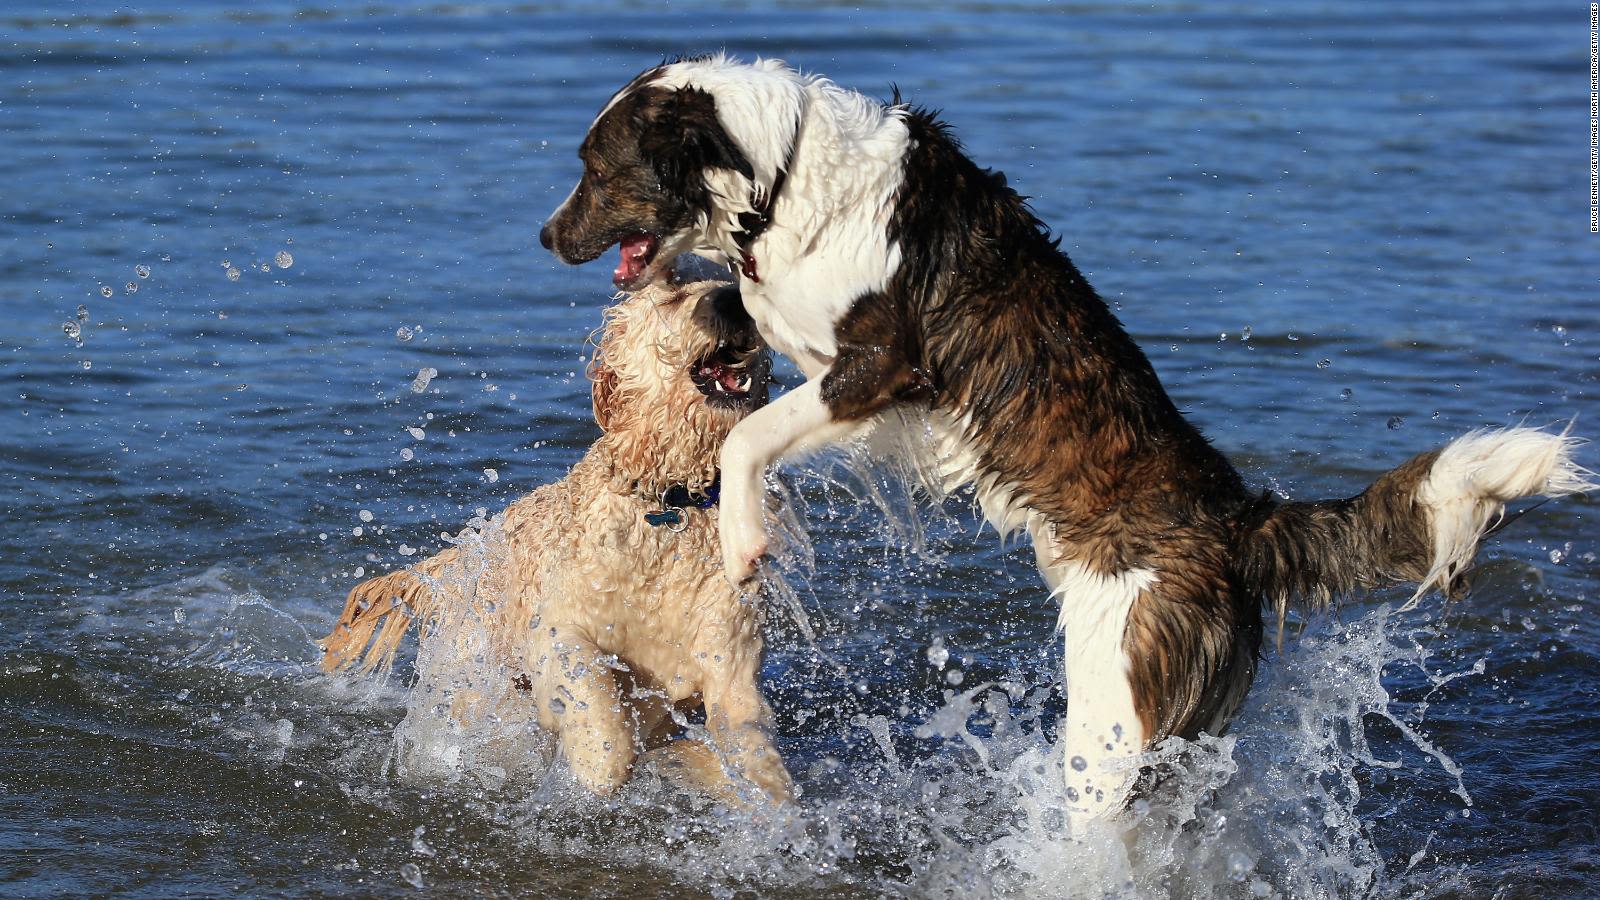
<point x="598" y="600"/>
<point x="913" y="287"/>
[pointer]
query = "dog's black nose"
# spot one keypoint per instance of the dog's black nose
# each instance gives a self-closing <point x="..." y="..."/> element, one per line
<point x="545" y="240"/>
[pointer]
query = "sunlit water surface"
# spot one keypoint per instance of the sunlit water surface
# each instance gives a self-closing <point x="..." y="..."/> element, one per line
<point x="232" y="238"/>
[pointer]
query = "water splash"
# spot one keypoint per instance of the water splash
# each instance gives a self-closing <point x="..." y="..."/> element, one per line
<point x="962" y="796"/>
<point x="250" y="636"/>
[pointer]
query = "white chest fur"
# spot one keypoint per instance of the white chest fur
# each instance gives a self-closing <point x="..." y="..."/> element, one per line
<point x="828" y="242"/>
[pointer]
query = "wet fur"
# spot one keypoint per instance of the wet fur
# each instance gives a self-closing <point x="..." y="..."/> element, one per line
<point x="912" y="286"/>
<point x="601" y="622"/>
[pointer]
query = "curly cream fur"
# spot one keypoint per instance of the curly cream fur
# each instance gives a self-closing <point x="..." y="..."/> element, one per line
<point x="602" y="622"/>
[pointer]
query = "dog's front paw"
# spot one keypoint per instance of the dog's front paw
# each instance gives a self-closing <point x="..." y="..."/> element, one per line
<point x="744" y="544"/>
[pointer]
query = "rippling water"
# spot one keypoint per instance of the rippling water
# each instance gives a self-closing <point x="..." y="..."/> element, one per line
<point x="1343" y="232"/>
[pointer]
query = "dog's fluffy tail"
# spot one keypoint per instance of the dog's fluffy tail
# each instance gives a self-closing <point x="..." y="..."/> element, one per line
<point x="1421" y="522"/>
<point x="380" y="610"/>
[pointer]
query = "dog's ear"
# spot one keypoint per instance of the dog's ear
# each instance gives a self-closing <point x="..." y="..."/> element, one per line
<point x="603" y="378"/>
<point x="603" y="394"/>
<point x="680" y="136"/>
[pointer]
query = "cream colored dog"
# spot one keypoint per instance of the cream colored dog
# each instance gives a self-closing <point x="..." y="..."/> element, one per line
<point x="599" y="600"/>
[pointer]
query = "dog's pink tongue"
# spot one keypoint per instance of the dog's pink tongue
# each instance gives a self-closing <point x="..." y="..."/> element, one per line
<point x="635" y="255"/>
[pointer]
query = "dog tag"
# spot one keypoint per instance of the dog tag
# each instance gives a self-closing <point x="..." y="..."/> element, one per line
<point x="668" y="517"/>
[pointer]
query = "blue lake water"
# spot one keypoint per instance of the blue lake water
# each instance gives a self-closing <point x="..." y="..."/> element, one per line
<point x="1344" y="233"/>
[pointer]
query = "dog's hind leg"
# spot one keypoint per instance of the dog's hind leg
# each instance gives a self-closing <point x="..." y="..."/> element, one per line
<point x="581" y="702"/>
<point x="1103" y="730"/>
<point x="1166" y="648"/>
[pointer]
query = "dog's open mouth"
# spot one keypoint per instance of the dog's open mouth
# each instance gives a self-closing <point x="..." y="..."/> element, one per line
<point x="638" y="250"/>
<point x="728" y="377"/>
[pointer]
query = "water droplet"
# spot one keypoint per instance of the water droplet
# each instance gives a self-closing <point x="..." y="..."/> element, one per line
<point x="1239" y="865"/>
<point x="558" y="706"/>
<point x="407" y="550"/>
<point x="1293" y="336"/>
<point x="357" y="531"/>
<point x="424" y="377"/>
<point x="411" y="874"/>
<point x="406" y="454"/>
<point x="1395" y="422"/>
<point x="86" y="364"/>
<point x="420" y="846"/>
<point x="83" y="313"/>
<point x="402" y="333"/>
<point x="179" y="615"/>
<point x="491" y="475"/>
<point x="1324" y="363"/>
<point x="416" y="433"/>
<point x="954" y="677"/>
<point x="1247" y="334"/>
<point x="365" y="515"/>
<point x="265" y="267"/>
<point x="284" y="259"/>
<point x="1079" y="764"/>
<point x="141" y="270"/>
<point x="131" y="288"/>
<point x="72" y="329"/>
<point x="937" y="654"/>
<point x="1346" y="394"/>
<point x="232" y="273"/>
<point x="183" y="694"/>
<point x="106" y="291"/>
